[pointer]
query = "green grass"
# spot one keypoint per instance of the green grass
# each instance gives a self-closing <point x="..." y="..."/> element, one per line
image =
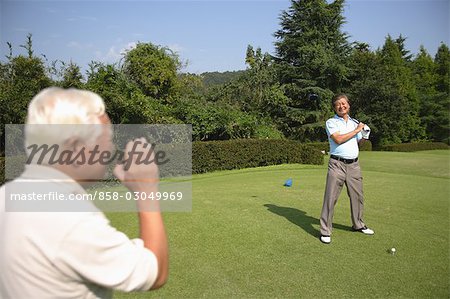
<point x="249" y="237"/>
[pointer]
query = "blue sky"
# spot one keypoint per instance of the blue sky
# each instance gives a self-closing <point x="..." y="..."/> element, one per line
<point x="209" y="35"/>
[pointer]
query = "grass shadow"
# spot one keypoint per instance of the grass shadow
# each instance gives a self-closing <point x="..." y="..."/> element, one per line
<point x="301" y="219"/>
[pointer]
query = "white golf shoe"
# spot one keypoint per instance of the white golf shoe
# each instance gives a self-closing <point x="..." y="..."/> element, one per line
<point x="325" y="239"/>
<point x="365" y="230"/>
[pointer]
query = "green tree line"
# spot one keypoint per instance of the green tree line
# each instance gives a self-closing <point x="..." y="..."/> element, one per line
<point x="403" y="97"/>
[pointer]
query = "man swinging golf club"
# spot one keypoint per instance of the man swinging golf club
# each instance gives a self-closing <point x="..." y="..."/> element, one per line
<point x="344" y="134"/>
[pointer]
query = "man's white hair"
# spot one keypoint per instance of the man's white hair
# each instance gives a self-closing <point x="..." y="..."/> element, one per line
<point x="55" y="115"/>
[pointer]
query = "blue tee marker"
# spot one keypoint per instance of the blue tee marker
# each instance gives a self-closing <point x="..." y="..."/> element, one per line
<point x="288" y="183"/>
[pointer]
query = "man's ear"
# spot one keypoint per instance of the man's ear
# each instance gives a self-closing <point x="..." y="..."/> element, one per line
<point x="77" y="147"/>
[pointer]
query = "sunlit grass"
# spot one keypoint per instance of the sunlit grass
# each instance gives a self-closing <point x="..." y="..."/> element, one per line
<point x="248" y="236"/>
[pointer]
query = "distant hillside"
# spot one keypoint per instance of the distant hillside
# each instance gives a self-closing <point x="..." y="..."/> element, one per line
<point x="217" y="78"/>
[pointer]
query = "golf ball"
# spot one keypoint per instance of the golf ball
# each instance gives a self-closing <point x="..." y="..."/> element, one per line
<point x="393" y="250"/>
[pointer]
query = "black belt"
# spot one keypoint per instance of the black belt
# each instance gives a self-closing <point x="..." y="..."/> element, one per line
<point x="346" y="161"/>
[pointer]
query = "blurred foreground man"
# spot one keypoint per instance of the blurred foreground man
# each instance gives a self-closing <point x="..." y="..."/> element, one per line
<point x="344" y="134"/>
<point x="67" y="254"/>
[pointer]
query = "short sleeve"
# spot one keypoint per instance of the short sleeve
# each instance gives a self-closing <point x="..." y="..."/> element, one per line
<point x="359" y="136"/>
<point x="96" y="252"/>
<point x="331" y="127"/>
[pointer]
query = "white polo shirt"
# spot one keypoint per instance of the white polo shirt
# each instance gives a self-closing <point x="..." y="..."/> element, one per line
<point x="348" y="149"/>
<point x="67" y="254"/>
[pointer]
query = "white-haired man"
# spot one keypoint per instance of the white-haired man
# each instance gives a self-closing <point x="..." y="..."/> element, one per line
<point x="78" y="254"/>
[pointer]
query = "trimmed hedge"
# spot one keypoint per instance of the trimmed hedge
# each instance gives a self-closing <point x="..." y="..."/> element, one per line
<point x="2" y="170"/>
<point x="414" y="147"/>
<point x="244" y="153"/>
<point x="320" y="146"/>
<point x="325" y="146"/>
<point x="241" y="153"/>
<point x="366" y="146"/>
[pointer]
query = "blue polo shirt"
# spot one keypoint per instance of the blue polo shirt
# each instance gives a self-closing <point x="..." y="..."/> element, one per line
<point x="348" y="149"/>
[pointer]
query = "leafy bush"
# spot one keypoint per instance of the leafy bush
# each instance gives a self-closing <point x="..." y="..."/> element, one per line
<point x="153" y="68"/>
<point x="325" y="146"/>
<point x="244" y="153"/>
<point x="11" y="167"/>
<point x="264" y="131"/>
<point x="125" y="102"/>
<point x="320" y="146"/>
<point x="2" y="170"/>
<point x="214" y="121"/>
<point x="413" y="147"/>
<point x="366" y="146"/>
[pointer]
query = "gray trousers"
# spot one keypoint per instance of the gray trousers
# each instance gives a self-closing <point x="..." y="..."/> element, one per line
<point x="339" y="174"/>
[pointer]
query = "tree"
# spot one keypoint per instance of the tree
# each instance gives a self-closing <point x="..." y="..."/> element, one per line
<point x="256" y="92"/>
<point x="125" y="101"/>
<point x="406" y="54"/>
<point x="311" y="57"/>
<point x="434" y="114"/>
<point x="212" y="79"/>
<point x="214" y="120"/>
<point x="21" y="78"/>
<point x="424" y="71"/>
<point x="365" y="77"/>
<point x="385" y="96"/>
<point x="432" y="82"/>
<point x="72" y="76"/>
<point x="153" y="69"/>
<point x="442" y="61"/>
<point x="190" y="84"/>
<point x="311" y="47"/>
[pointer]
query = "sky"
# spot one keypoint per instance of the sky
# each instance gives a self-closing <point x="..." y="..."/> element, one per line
<point x="208" y="35"/>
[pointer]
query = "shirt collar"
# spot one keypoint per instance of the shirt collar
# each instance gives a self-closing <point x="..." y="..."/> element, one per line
<point x="342" y="119"/>
<point x="49" y="174"/>
<point x="338" y="117"/>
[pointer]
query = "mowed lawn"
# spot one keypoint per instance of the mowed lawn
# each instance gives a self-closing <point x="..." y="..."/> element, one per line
<point x="249" y="237"/>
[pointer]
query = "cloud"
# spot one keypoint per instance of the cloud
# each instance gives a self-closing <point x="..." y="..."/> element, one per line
<point x="176" y="48"/>
<point x="112" y="27"/>
<point x="51" y="10"/>
<point x="115" y="52"/>
<point x="93" y="19"/>
<point x="79" y="46"/>
<point x="21" y="29"/>
<point x="82" y="18"/>
<point x="130" y="46"/>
